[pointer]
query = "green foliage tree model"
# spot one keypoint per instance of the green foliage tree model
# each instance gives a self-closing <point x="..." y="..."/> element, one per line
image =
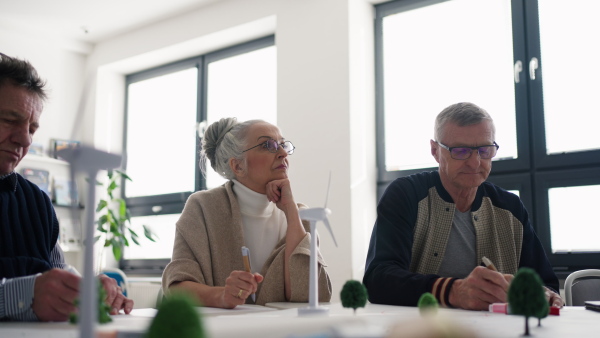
<point x="177" y="317"/>
<point x="114" y="220"/>
<point x="526" y="295"/>
<point x="353" y="295"/>
<point x="427" y="304"/>
<point x="542" y="313"/>
<point x="103" y="308"/>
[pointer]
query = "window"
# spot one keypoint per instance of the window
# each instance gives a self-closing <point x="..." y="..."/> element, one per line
<point x="412" y="80"/>
<point x="253" y="78"/>
<point x="166" y="110"/>
<point x="530" y="73"/>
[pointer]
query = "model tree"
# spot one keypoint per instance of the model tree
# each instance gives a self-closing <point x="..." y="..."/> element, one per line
<point x="427" y="304"/>
<point x="177" y="317"/>
<point x="103" y="308"/>
<point x="353" y="295"/>
<point x="526" y="295"/>
<point x="543" y="312"/>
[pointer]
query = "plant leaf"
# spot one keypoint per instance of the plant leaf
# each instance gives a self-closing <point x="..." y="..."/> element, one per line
<point x="112" y="218"/>
<point x="122" y="209"/>
<point x="134" y="239"/>
<point x="101" y="221"/>
<point x="148" y="233"/>
<point x="124" y="175"/>
<point x="116" y="251"/>
<point x="113" y="185"/>
<point x="133" y="233"/>
<point x="101" y="228"/>
<point x="101" y="205"/>
<point x="96" y="238"/>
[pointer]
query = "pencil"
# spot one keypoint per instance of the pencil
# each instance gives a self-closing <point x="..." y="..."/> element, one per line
<point x="246" y="257"/>
<point x="488" y="263"/>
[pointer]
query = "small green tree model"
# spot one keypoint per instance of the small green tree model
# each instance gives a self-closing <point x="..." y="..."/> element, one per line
<point x="177" y="317"/>
<point x="526" y="295"/>
<point x="542" y="313"/>
<point x="427" y="304"/>
<point x="103" y="308"/>
<point x="353" y="295"/>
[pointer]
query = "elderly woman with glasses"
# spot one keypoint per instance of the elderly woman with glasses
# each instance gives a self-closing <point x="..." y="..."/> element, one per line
<point x="254" y="209"/>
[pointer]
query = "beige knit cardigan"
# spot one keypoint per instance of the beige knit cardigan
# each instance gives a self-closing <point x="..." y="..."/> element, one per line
<point x="208" y="240"/>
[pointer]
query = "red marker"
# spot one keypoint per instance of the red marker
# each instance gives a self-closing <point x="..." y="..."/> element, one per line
<point x="504" y="308"/>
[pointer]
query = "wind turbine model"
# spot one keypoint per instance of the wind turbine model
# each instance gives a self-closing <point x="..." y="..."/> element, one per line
<point x="89" y="160"/>
<point x="315" y="215"/>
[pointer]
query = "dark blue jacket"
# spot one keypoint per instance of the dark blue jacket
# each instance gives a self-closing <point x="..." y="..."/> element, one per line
<point x="414" y="218"/>
<point x="28" y="228"/>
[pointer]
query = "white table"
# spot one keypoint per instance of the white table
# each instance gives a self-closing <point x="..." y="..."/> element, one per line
<point x="372" y="321"/>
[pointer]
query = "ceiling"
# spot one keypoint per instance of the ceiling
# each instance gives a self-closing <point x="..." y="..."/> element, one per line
<point x="89" y="21"/>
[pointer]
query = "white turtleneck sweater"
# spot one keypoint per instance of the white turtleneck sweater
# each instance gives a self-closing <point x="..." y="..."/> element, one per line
<point x="264" y="224"/>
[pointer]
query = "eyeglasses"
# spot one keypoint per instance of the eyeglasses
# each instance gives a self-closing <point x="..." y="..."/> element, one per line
<point x="272" y="146"/>
<point x="463" y="153"/>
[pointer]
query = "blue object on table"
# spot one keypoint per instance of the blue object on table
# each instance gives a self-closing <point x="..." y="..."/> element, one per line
<point x="119" y="276"/>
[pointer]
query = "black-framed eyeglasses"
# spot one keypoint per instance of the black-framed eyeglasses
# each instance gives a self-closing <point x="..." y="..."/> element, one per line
<point x="272" y="146"/>
<point x="464" y="153"/>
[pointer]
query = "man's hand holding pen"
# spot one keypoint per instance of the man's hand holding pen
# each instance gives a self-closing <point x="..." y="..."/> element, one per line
<point x="553" y="298"/>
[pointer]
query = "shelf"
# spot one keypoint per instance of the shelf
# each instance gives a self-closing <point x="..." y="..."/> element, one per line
<point x="44" y="159"/>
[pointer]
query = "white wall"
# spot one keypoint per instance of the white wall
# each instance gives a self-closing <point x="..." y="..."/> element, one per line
<point x="61" y="64"/>
<point x="325" y="98"/>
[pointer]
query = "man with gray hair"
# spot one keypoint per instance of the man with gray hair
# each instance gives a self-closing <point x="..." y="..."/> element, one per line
<point x="34" y="284"/>
<point x="434" y="228"/>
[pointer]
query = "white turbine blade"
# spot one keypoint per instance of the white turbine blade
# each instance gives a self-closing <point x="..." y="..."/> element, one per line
<point x="326" y="221"/>
<point x="328" y="186"/>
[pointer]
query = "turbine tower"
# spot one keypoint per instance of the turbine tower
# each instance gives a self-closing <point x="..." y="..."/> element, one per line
<point x="314" y="215"/>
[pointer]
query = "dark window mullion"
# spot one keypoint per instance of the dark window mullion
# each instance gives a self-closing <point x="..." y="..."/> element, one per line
<point x="536" y="99"/>
<point x="201" y="121"/>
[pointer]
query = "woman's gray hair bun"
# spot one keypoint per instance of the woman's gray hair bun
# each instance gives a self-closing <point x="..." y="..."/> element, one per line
<point x="223" y="140"/>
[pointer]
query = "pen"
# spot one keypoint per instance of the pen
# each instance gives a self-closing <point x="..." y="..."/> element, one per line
<point x="246" y="257"/>
<point x="488" y="264"/>
<point x="503" y="307"/>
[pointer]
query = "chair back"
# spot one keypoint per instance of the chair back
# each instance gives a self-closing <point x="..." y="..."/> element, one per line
<point x="159" y="298"/>
<point x="119" y="276"/>
<point x="582" y="285"/>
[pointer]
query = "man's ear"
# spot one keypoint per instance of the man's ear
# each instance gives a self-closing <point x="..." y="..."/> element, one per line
<point x="236" y="167"/>
<point x="435" y="150"/>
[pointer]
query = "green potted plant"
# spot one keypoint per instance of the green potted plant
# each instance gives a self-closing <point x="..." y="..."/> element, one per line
<point x="114" y="221"/>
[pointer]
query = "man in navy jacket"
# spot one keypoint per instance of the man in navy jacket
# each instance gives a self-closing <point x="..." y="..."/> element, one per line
<point x="434" y="228"/>
<point x="33" y="282"/>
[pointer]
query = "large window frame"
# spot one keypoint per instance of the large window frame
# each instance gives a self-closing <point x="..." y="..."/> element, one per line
<point x="533" y="171"/>
<point x="173" y="203"/>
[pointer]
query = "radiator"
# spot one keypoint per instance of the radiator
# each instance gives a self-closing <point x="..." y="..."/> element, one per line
<point x="143" y="292"/>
